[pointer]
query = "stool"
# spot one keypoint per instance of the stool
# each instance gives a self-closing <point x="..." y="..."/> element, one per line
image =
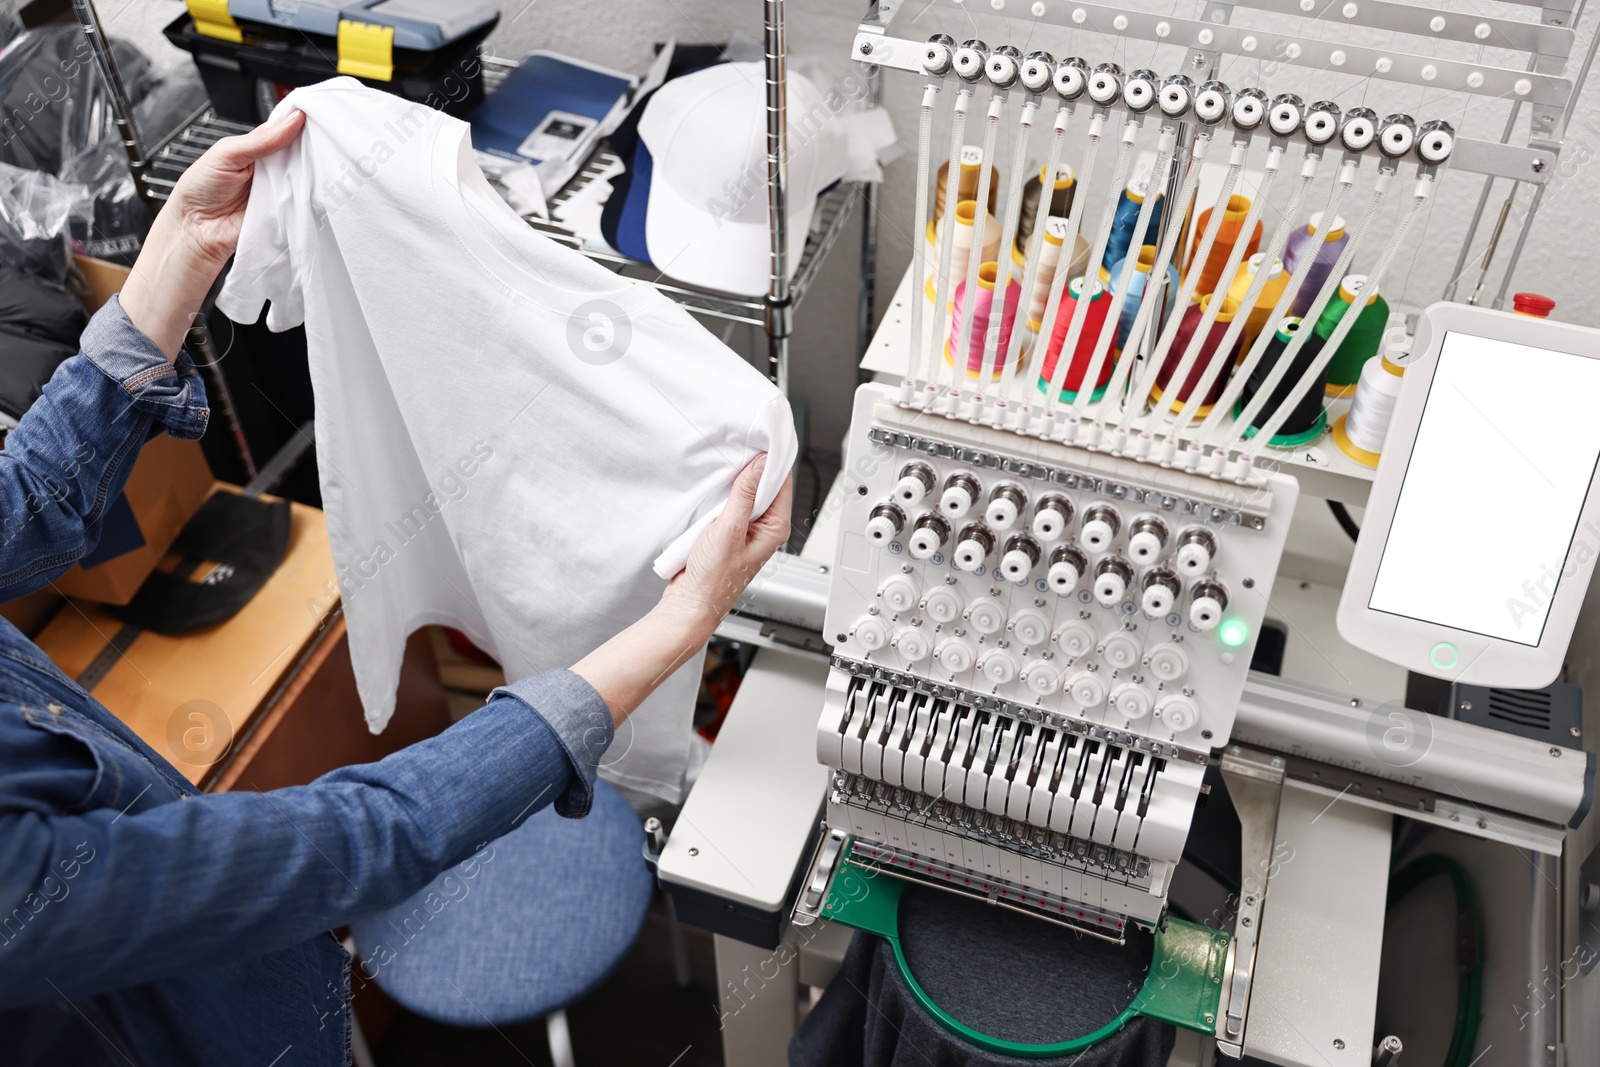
<point x="530" y="927"/>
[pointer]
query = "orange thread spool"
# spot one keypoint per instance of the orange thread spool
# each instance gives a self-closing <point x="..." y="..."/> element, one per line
<point x="1227" y="236"/>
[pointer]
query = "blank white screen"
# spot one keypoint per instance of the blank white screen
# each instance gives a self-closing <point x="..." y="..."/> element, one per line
<point x="1503" y="459"/>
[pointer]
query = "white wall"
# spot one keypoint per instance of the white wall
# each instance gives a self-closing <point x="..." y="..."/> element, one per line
<point x="621" y="33"/>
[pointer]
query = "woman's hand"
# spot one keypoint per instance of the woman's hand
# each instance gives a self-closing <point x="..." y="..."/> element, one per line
<point x="209" y="200"/>
<point x="731" y="551"/>
<point x="195" y="232"/>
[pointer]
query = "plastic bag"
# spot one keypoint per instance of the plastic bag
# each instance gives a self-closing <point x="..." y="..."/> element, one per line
<point x="56" y="119"/>
<point x="36" y="213"/>
<point x="10" y="21"/>
<point x="110" y="222"/>
<point x="51" y="96"/>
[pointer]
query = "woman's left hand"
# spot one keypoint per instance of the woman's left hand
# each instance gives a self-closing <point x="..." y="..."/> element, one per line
<point x="195" y="232"/>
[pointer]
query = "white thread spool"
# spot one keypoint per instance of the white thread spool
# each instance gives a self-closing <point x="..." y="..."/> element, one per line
<point x="1360" y="433"/>
<point x="960" y="249"/>
<point x="1055" y="232"/>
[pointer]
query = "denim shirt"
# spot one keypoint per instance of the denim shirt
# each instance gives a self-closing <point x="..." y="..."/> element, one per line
<point x="142" y="922"/>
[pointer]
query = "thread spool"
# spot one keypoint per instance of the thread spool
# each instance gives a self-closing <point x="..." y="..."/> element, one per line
<point x="1532" y="304"/>
<point x="1363" y="340"/>
<point x="982" y="318"/>
<point x="1136" y="286"/>
<point x="1127" y="216"/>
<point x="1359" y="434"/>
<point x="1082" y="356"/>
<point x="1261" y="310"/>
<point x="1055" y="231"/>
<point x="1208" y="352"/>
<point x="1308" y="419"/>
<point x="967" y="181"/>
<point x="960" y="249"/>
<point x="1061" y="198"/>
<point x="1298" y="247"/>
<point x="1228" y="235"/>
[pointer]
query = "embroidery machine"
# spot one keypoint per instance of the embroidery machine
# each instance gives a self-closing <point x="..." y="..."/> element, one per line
<point x="1055" y="545"/>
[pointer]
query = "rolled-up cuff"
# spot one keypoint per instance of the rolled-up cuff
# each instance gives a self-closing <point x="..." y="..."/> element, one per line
<point x="170" y="393"/>
<point x="581" y="722"/>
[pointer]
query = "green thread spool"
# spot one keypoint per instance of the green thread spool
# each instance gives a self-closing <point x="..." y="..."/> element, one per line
<point x="1363" y="340"/>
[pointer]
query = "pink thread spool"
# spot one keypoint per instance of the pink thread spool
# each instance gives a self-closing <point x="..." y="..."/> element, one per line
<point x="982" y="322"/>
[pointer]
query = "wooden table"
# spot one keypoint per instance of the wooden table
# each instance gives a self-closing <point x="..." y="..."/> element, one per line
<point x="263" y="700"/>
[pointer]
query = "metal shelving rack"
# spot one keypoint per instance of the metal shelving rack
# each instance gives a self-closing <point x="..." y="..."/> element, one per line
<point x="158" y="167"/>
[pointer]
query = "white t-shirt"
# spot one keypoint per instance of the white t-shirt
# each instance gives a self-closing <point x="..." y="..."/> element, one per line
<point x="512" y="440"/>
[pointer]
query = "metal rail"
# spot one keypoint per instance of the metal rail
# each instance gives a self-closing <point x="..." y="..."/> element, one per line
<point x="173" y="156"/>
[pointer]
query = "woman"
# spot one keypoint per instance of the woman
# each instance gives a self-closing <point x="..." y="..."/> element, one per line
<point x="143" y="923"/>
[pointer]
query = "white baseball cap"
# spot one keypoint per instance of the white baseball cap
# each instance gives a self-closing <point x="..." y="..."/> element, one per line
<point x="706" y="132"/>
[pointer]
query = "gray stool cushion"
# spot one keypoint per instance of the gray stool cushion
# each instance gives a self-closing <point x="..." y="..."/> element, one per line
<point x="529" y="925"/>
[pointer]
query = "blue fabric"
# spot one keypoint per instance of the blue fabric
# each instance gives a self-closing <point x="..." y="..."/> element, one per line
<point x="630" y="228"/>
<point x="528" y="926"/>
<point x="119" y="533"/>
<point x="186" y="929"/>
<point x="70" y="454"/>
<point x="540" y="84"/>
<point x="622" y="216"/>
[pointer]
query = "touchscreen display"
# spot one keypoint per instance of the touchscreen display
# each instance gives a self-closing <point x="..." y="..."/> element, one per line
<point x="1489" y="507"/>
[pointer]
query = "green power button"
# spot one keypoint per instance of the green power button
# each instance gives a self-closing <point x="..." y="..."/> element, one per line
<point x="1444" y="655"/>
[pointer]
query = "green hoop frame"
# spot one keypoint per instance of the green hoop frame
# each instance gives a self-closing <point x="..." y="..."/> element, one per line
<point x="1183" y="986"/>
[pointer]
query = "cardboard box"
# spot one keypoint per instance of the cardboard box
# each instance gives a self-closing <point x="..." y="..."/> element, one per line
<point x="168" y="483"/>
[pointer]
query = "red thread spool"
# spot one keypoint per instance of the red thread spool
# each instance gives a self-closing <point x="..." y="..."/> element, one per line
<point x="1083" y="353"/>
<point x="1208" y="353"/>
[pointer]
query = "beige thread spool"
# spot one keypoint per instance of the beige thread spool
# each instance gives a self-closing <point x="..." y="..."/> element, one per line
<point x="967" y="182"/>
<point x="960" y="249"/>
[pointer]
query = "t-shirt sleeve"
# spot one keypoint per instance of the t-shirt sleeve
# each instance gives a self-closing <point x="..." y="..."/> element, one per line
<point x="772" y="431"/>
<point x="266" y="267"/>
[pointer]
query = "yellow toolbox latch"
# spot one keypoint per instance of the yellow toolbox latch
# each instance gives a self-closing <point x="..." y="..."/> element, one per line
<point x="366" y="51"/>
<point x="212" y="19"/>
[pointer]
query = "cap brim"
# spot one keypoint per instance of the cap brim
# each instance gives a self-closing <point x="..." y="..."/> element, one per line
<point x="688" y="242"/>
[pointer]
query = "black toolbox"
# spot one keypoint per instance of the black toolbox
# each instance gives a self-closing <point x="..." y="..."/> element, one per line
<point x="245" y="79"/>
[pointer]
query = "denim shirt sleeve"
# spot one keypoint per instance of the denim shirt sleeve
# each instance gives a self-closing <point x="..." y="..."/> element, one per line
<point x="185" y="882"/>
<point x="70" y="455"/>
<point x="582" y="726"/>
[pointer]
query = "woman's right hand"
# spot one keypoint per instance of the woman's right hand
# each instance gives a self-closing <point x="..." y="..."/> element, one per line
<point x="724" y="559"/>
<point x="730" y="552"/>
<point x="195" y="233"/>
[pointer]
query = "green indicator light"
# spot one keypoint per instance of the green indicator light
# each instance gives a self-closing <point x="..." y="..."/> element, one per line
<point x="1233" y="632"/>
